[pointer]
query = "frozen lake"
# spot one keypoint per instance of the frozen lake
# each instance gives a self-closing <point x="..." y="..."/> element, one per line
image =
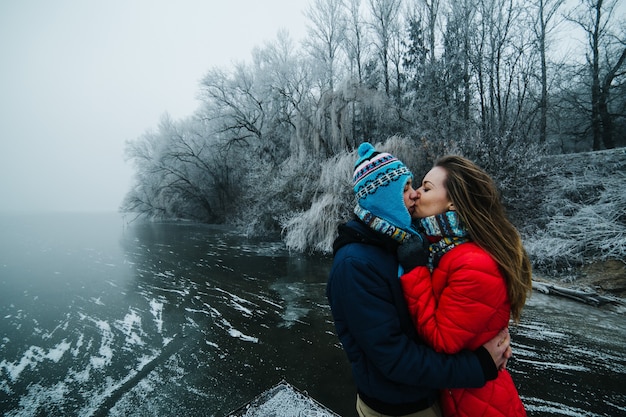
<point x="100" y="318"/>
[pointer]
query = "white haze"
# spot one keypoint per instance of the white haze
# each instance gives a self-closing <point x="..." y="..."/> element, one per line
<point x="80" y="78"/>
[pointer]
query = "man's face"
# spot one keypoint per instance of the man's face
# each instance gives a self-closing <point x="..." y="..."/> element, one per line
<point x="410" y="195"/>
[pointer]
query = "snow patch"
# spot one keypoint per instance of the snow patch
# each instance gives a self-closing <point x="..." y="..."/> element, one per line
<point x="105" y="350"/>
<point x="32" y="357"/>
<point x="130" y="326"/>
<point x="156" y="308"/>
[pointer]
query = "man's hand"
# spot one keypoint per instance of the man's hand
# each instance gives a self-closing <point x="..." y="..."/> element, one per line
<point x="500" y="348"/>
<point x="413" y="253"/>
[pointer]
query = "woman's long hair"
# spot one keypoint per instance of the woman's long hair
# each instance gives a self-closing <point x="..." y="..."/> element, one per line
<point x="477" y="201"/>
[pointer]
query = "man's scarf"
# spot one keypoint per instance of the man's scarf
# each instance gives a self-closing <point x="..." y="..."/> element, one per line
<point x="382" y="225"/>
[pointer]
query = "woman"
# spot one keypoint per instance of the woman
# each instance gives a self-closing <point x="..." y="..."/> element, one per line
<point x="477" y="276"/>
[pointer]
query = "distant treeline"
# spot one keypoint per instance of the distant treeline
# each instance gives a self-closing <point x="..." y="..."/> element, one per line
<point x="270" y="149"/>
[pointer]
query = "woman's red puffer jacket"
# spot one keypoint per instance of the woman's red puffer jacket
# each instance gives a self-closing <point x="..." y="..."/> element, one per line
<point x="463" y="305"/>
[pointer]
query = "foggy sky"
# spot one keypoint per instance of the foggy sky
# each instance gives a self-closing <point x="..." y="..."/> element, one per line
<point x="80" y="78"/>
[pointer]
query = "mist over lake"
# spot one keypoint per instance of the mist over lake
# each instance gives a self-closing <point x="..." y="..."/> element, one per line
<point x="100" y="317"/>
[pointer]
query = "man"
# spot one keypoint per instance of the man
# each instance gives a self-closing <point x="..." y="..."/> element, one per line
<point x="395" y="373"/>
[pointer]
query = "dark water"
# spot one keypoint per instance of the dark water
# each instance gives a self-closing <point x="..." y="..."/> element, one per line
<point x="101" y="318"/>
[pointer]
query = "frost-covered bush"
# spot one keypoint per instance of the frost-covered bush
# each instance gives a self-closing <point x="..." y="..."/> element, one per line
<point x="583" y="212"/>
<point x="271" y="195"/>
<point x="315" y="228"/>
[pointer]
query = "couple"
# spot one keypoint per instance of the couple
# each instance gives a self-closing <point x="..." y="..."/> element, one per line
<point x="422" y="287"/>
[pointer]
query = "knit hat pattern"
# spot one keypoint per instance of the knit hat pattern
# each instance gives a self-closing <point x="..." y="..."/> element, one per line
<point x="379" y="180"/>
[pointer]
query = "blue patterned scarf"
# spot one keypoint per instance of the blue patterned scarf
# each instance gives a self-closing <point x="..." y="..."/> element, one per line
<point x="381" y="225"/>
<point x="450" y="228"/>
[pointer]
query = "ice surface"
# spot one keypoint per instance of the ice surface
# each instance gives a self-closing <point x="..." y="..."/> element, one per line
<point x="180" y="333"/>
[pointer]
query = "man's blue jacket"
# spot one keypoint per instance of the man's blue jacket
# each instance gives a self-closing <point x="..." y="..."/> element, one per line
<point x="393" y="370"/>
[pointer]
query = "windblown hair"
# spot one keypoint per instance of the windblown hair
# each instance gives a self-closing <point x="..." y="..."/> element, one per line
<point x="477" y="201"/>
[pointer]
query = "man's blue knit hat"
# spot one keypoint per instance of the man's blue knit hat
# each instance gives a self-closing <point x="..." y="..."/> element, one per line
<point x="379" y="180"/>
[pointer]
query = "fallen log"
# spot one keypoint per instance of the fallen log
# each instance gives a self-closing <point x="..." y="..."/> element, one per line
<point x="587" y="297"/>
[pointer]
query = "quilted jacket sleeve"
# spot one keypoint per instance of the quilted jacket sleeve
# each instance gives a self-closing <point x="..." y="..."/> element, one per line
<point x="463" y="304"/>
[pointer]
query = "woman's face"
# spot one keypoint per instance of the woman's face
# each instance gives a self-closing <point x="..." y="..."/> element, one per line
<point x="432" y="196"/>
